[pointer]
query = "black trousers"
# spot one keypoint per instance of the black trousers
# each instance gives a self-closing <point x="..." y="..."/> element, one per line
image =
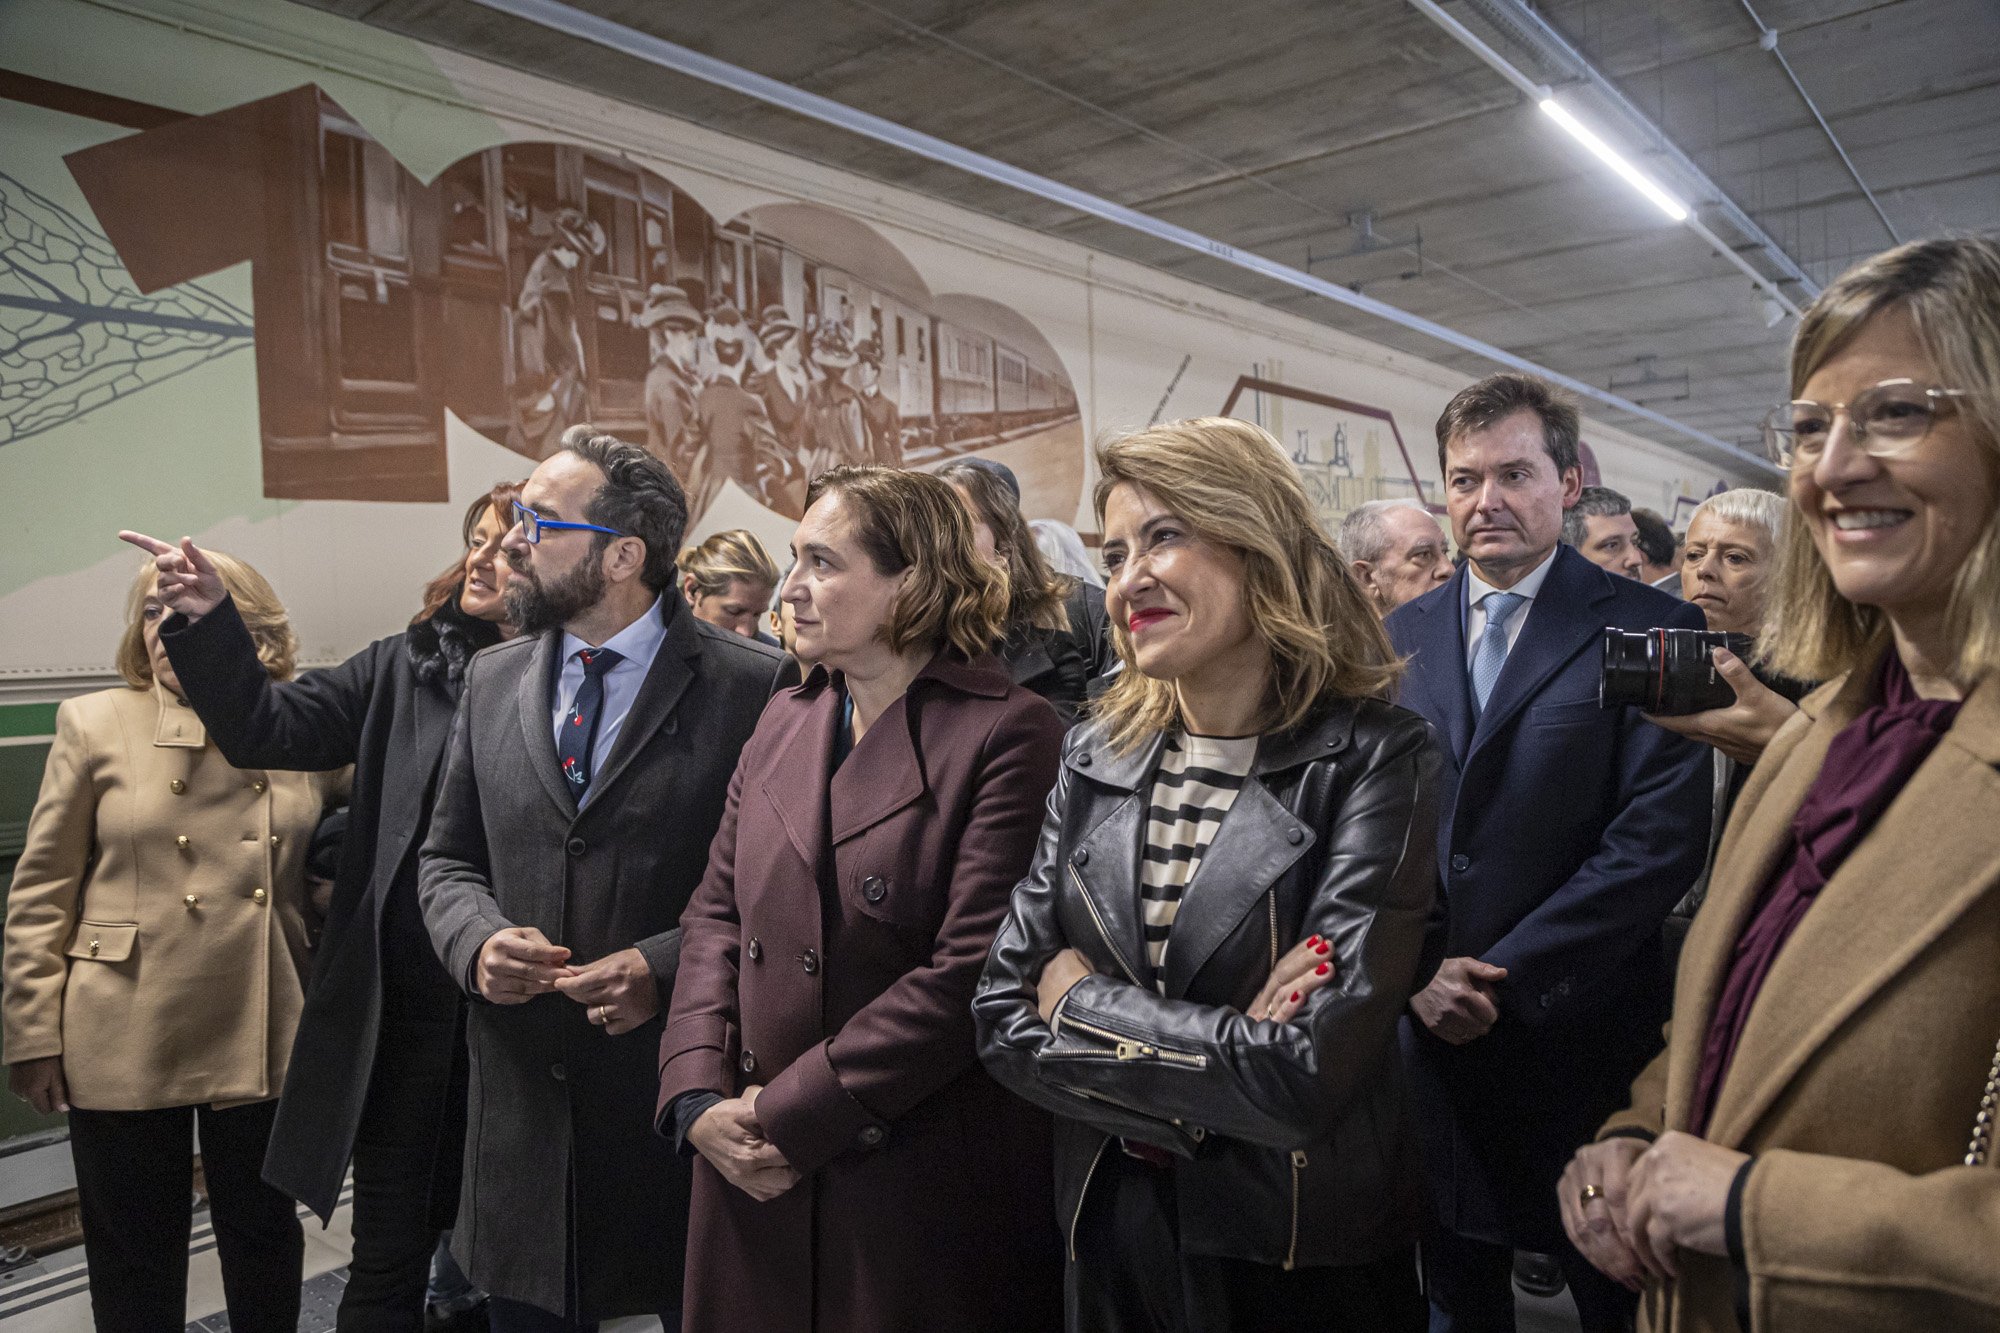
<point x="1471" y="1287"/>
<point x="1130" y="1276"/>
<point x="406" y="1155"/>
<point x="135" y="1187"/>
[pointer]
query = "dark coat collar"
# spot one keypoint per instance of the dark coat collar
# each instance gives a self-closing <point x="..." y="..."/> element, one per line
<point x="667" y="679"/>
<point x="984" y="676"/>
<point x="1561" y="620"/>
<point x="891" y="773"/>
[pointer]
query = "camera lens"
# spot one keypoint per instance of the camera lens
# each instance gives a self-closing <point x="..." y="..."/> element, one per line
<point x="1666" y="671"/>
<point x="1628" y="670"/>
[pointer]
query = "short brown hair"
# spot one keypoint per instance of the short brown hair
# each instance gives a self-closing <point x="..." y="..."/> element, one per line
<point x="451" y="580"/>
<point x="263" y="614"/>
<point x="725" y="557"/>
<point x="1035" y="596"/>
<point x="911" y="520"/>
<point x="1951" y="289"/>
<point x="1497" y="397"/>
<point x="1232" y="483"/>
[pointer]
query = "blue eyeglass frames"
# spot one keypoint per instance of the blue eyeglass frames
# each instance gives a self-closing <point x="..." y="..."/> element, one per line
<point x="533" y="525"/>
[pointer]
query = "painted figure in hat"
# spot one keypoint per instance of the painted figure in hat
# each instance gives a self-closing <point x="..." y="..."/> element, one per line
<point x="879" y="412"/>
<point x="549" y="390"/>
<point x="839" y="433"/>
<point x="672" y="327"/>
<point x="785" y="384"/>
<point x="730" y="433"/>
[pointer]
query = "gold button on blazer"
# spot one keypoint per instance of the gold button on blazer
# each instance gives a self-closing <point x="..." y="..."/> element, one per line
<point x="109" y="964"/>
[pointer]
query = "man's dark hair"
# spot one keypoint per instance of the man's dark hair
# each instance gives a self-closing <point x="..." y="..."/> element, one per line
<point x="1656" y="539"/>
<point x="1592" y="502"/>
<point x="1497" y="397"/>
<point x="640" y="497"/>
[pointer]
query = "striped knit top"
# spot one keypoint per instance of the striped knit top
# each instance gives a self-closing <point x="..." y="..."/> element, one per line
<point x="1193" y="787"/>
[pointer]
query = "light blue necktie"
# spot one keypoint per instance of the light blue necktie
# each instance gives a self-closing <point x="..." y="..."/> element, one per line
<point x="1491" y="654"/>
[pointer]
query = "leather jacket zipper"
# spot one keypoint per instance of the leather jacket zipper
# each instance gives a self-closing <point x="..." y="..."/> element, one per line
<point x="1292" y="1250"/>
<point x="1125" y="1048"/>
<point x="1102" y="929"/>
<point x="1084" y="1193"/>
<point x="1272" y="898"/>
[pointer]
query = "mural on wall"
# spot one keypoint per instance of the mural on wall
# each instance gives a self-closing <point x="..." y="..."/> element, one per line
<point x="75" y="333"/>
<point x="1347" y="452"/>
<point x="535" y="285"/>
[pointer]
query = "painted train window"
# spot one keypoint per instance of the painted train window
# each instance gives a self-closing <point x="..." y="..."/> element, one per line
<point x="467" y="208"/>
<point x="368" y="266"/>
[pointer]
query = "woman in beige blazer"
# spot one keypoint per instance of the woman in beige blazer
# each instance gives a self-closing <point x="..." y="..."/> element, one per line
<point x="155" y="956"/>
<point x="1811" y="1150"/>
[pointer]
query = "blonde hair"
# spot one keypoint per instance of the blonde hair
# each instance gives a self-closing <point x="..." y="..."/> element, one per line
<point x="1951" y="290"/>
<point x="1752" y="508"/>
<point x="953" y="600"/>
<point x="263" y="615"/>
<point x="724" y="558"/>
<point x="1232" y="483"/>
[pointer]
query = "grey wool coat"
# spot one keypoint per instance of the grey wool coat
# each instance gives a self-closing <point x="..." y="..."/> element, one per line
<point x="563" y="1173"/>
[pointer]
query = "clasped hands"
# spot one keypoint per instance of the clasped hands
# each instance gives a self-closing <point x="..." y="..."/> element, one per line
<point x="1307" y="968"/>
<point x="518" y="963"/>
<point x="1646" y="1201"/>
<point x="729" y="1136"/>
<point x="1460" y="1004"/>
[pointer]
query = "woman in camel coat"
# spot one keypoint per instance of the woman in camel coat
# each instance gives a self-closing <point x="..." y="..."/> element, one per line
<point x="1811" y="1151"/>
<point x="155" y="962"/>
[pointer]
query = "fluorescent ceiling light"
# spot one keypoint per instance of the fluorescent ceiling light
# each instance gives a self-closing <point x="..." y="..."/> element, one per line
<point x="1608" y="155"/>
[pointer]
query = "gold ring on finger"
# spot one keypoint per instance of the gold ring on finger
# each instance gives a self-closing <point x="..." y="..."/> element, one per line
<point x="1591" y="1192"/>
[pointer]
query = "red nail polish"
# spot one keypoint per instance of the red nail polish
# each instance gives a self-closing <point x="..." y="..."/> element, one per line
<point x="1320" y="971"/>
<point x="1324" y="947"/>
<point x="1295" y="997"/>
<point x="1313" y="942"/>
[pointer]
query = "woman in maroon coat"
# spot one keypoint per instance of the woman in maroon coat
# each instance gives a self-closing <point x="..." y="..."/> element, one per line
<point x="857" y="1169"/>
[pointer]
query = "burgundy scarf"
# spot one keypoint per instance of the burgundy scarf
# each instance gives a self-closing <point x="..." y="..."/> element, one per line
<point x="1867" y="764"/>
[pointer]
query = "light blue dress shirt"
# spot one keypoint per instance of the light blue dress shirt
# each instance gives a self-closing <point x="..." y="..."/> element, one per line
<point x="1476" y="589"/>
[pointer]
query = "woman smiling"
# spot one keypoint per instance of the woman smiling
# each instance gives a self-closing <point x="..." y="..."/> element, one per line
<point x="1848" y="957"/>
<point x="1202" y="973"/>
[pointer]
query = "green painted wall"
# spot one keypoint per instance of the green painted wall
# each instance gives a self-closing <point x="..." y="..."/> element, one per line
<point x="20" y="779"/>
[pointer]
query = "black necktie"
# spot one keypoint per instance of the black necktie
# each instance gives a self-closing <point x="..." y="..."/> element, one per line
<point x="579" y="730"/>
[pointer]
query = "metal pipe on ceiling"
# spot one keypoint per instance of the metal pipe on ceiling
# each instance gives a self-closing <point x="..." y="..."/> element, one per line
<point x="657" y="51"/>
<point x="1581" y="69"/>
<point x="1541" y="37"/>
<point x="1767" y="40"/>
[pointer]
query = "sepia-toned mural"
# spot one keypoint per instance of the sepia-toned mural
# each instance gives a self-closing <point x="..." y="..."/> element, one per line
<point x="537" y="285"/>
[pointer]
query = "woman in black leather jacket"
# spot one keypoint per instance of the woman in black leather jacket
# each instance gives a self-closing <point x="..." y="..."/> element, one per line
<point x="1203" y="970"/>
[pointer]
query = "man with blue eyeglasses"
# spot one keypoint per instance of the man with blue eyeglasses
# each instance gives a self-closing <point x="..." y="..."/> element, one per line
<point x="585" y="779"/>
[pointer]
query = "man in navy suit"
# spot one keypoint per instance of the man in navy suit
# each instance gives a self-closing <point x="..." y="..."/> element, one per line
<point x="1569" y="831"/>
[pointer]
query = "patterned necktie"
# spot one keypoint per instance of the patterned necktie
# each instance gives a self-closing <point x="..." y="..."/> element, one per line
<point x="1491" y="654"/>
<point x="579" y="731"/>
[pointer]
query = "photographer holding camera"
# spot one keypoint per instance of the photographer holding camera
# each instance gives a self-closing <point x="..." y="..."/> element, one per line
<point x="1732" y="540"/>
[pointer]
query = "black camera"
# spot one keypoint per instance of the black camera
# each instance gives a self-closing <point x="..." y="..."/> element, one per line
<point x="1667" y="672"/>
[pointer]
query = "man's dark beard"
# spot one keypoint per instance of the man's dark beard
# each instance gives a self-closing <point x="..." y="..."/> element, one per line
<point x="535" y="606"/>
